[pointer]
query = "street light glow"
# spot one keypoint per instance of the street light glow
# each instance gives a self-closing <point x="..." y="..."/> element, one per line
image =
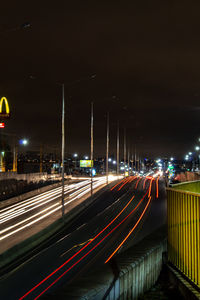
<point x="23" y="142"/>
<point x="197" y="148"/>
<point x="75" y="155"/>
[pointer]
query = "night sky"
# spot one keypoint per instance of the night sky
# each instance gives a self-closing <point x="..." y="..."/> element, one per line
<point x="146" y="57"/>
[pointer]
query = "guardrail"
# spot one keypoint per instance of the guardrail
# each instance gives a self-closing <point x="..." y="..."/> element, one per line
<point x="183" y="209"/>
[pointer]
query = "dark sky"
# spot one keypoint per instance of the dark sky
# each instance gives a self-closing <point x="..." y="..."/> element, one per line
<point x="145" y="53"/>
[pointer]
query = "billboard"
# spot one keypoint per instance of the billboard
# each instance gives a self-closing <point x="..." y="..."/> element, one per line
<point x="86" y="163"/>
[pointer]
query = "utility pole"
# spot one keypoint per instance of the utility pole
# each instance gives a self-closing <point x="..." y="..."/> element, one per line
<point x="124" y="152"/>
<point x="128" y="163"/>
<point x="91" y="147"/>
<point x="135" y="161"/>
<point x="107" y="147"/>
<point x="15" y="150"/>
<point x="41" y="158"/>
<point x="118" y="148"/>
<point x="63" y="149"/>
<point x="132" y="161"/>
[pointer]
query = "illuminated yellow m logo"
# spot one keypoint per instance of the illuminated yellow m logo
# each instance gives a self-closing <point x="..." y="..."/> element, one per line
<point x="4" y="100"/>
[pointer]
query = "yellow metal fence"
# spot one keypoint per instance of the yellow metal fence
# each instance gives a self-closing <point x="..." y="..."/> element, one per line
<point x="184" y="232"/>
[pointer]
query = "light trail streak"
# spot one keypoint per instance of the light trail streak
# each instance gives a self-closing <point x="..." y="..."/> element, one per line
<point x="157" y="190"/>
<point x="82" y="256"/>
<point x="57" y="206"/>
<point x="144" y="182"/>
<point x="127" y="181"/>
<point x="138" y="182"/>
<point x="11" y="216"/>
<point x="37" y="199"/>
<point x="117" y="184"/>
<point x="130" y="232"/>
<point x="150" y="187"/>
<point x="91" y="240"/>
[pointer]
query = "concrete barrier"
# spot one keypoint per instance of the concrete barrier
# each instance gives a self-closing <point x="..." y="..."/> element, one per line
<point x="128" y="276"/>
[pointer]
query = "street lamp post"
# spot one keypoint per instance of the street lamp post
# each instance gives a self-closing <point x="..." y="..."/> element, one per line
<point x="128" y="163"/>
<point x="107" y="148"/>
<point x="124" y="152"/>
<point x="91" y="148"/>
<point x="63" y="148"/>
<point x="118" y="148"/>
<point x="63" y="123"/>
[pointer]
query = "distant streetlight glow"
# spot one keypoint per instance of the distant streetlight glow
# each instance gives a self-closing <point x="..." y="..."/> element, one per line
<point x="109" y="159"/>
<point x="86" y="157"/>
<point x="171" y="158"/>
<point x="75" y="155"/>
<point x="190" y="153"/>
<point x="197" y="148"/>
<point x="23" y="142"/>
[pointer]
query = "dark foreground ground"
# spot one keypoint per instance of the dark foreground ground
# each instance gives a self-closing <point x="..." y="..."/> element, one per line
<point x="163" y="289"/>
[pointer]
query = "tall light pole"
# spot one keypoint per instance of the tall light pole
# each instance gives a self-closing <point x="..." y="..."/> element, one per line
<point x="63" y="122"/>
<point x="118" y="148"/>
<point x="63" y="148"/>
<point x="132" y="161"/>
<point x="107" y="147"/>
<point x="91" y="147"/>
<point x="128" y="163"/>
<point x="135" y="161"/>
<point x="124" y="152"/>
<point x="15" y="150"/>
<point x="41" y="158"/>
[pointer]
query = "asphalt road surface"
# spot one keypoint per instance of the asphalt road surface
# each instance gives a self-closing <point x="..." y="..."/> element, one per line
<point x="119" y="218"/>
<point x="23" y="219"/>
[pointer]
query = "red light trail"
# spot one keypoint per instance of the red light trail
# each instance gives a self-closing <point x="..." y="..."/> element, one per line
<point x="136" y="224"/>
<point x="90" y="241"/>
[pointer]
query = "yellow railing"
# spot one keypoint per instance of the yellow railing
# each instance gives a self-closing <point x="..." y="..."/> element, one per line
<point x="184" y="232"/>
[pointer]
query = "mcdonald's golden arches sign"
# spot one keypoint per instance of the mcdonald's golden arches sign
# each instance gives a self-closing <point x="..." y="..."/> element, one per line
<point x="4" y="108"/>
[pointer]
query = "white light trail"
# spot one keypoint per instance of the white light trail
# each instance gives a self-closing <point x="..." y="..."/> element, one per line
<point x="35" y="202"/>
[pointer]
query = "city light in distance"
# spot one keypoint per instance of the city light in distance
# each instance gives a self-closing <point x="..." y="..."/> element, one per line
<point x="23" y="142"/>
<point x="75" y="155"/>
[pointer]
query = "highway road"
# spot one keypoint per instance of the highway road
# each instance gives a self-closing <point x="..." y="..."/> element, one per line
<point x="21" y="220"/>
<point x="119" y="218"/>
